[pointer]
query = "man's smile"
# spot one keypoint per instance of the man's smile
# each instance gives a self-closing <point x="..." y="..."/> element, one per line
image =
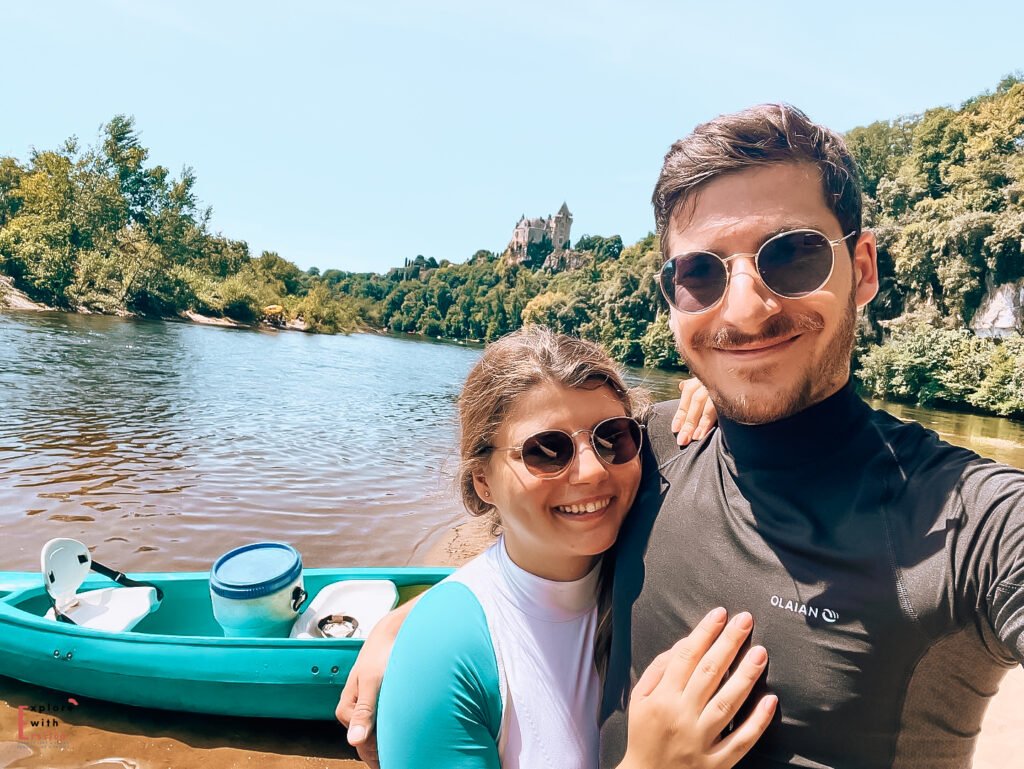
<point x="759" y="349"/>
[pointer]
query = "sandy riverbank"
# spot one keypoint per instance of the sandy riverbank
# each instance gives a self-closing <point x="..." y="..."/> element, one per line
<point x="296" y="324"/>
<point x="13" y="299"/>
<point x="99" y="734"/>
<point x="461" y="543"/>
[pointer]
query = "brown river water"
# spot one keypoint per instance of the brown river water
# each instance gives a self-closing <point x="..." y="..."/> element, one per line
<point x="163" y="445"/>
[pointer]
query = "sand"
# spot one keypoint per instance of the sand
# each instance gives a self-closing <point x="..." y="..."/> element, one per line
<point x="100" y="734"/>
<point x="461" y="543"/>
<point x="13" y="299"/>
<point x="207" y="320"/>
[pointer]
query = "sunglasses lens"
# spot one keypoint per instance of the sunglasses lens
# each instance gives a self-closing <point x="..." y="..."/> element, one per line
<point x="796" y="264"/>
<point x="693" y="282"/>
<point x="548" y="453"/>
<point x="617" y="441"/>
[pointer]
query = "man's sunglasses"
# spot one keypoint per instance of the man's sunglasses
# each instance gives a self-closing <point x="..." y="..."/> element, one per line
<point x="548" y="453"/>
<point x="791" y="265"/>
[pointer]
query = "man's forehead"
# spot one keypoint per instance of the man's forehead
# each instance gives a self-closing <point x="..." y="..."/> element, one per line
<point x="750" y="206"/>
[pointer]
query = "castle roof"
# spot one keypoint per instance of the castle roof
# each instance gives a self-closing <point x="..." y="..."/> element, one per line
<point x="564" y="209"/>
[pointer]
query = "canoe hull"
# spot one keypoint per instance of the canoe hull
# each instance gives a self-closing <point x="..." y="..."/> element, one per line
<point x="200" y="671"/>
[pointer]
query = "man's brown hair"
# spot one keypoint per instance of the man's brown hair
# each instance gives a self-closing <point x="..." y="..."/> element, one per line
<point x="762" y="135"/>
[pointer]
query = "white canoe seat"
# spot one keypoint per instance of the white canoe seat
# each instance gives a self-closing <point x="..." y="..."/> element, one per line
<point x="333" y="609"/>
<point x="65" y="564"/>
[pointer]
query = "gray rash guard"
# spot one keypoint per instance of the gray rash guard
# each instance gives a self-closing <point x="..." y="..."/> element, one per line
<point x="884" y="569"/>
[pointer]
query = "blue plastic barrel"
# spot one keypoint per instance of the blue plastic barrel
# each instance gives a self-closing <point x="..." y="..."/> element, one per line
<point x="257" y="589"/>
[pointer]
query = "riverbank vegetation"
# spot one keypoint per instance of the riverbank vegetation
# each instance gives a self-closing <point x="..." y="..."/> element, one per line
<point x="97" y="229"/>
<point x="944" y="191"/>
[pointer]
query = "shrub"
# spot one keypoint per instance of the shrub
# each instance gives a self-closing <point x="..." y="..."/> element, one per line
<point x="659" y="346"/>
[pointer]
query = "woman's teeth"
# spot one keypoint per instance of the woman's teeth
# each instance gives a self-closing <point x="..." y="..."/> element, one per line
<point x="589" y="507"/>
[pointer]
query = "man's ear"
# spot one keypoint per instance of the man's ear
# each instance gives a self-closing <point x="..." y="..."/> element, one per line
<point x="483" y="490"/>
<point x="865" y="268"/>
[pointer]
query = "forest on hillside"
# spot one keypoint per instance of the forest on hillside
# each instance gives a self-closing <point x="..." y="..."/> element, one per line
<point x="99" y="229"/>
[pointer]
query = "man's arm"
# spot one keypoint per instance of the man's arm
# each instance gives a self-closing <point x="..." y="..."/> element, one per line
<point x="993" y="498"/>
<point x="357" y="708"/>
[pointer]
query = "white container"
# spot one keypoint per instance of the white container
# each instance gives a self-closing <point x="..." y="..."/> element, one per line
<point x="257" y="589"/>
<point x="358" y="603"/>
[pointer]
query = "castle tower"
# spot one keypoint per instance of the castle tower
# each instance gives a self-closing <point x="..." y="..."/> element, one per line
<point x="560" y="226"/>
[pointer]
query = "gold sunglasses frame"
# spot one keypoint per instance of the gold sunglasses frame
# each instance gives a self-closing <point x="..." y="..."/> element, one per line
<point x="728" y="272"/>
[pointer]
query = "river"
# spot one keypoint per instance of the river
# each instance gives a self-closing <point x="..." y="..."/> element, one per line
<point x="163" y="445"/>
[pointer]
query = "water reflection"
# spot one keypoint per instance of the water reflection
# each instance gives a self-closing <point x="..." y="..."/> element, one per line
<point x="999" y="439"/>
<point x="183" y="441"/>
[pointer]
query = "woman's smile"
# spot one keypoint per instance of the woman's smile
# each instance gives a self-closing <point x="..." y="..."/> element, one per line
<point x="585" y="508"/>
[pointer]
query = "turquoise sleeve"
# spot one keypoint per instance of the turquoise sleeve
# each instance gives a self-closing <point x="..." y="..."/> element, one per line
<point x="440" y="704"/>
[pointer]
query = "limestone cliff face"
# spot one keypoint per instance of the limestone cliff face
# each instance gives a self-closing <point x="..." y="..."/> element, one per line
<point x="567" y="259"/>
<point x="1001" y="312"/>
<point x="13" y="299"/>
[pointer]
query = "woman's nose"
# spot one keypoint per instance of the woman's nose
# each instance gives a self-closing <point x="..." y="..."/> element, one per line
<point x="588" y="467"/>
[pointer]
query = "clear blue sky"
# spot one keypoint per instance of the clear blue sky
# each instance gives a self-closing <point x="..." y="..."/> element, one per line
<point x="356" y="134"/>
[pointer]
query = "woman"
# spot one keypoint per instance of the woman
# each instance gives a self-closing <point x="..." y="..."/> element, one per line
<point x="498" y="665"/>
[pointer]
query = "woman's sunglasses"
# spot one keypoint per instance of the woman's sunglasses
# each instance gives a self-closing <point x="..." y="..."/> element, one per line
<point x="792" y="265"/>
<point x="548" y="453"/>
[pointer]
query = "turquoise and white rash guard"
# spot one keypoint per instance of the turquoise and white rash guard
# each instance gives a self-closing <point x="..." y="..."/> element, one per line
<point x="494" y="667"/>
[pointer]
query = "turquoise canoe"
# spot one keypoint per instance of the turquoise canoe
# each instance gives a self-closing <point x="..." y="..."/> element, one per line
<point x="177" y="658"/>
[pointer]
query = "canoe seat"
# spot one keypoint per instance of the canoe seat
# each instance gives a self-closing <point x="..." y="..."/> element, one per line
<point x="65" y="564"/>
<point x="364" y="600"/>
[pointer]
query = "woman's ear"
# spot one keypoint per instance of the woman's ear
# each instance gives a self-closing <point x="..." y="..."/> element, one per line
<point x="483" y="490"/>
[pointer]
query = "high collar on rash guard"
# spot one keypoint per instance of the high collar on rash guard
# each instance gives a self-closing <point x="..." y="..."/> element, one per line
<point x="813" y="434"/>
<point x="544" y="598"/>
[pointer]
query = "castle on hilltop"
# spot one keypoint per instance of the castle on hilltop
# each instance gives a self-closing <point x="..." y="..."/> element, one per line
<point x="554" y="230"/>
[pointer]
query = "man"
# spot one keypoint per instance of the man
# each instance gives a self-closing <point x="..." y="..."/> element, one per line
<point x="883" y="567"/>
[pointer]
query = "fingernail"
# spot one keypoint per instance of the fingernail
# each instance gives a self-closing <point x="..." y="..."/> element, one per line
<point x="743" y="620"/>
<point x="356" y="734"/>
<point x="769" y="702"/>
<point x="699" y="435"/>
<point x="718" y="615"/>
<point x="758" y="655"/>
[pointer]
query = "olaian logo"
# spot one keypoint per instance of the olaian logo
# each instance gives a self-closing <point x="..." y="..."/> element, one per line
<point x="829" y="615"/>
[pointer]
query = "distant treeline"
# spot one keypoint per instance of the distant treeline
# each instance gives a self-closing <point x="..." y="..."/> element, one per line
<point x="97" y="229"/>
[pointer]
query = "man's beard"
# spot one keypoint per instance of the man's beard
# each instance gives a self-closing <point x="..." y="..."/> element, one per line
<point x="818" y="380"/>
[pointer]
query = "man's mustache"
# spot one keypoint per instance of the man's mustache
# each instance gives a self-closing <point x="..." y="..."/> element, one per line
<point x="777" y="327"/>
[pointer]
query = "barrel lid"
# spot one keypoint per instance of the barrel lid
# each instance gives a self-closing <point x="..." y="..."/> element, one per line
<point x="255" y="570"/>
